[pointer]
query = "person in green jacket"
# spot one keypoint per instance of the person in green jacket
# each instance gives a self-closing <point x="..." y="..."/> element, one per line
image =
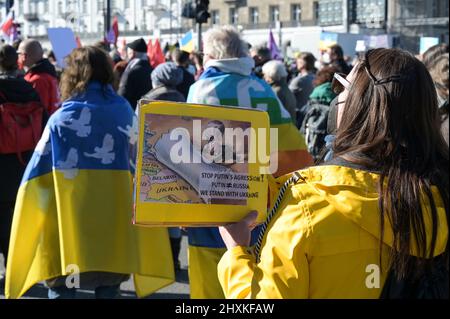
<point x="322" y="92"/>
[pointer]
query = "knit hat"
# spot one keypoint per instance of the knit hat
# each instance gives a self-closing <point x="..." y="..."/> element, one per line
<point x="8" y="58"/>
<point x="138" y="45"/>
<point x="168" y="74"/>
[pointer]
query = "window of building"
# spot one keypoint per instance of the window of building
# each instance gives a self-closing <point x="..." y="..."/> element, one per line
<point x="367" y="11"/>
<point x="411" y="9"/>
<point x="46" y="6"/>
<point x="274" y="12"/>
<point x="85" y="6"/>
<point x="20" y="7"/>
<point x="33" y="7"/>
<point x="126" y="4"/>
<point x="296" y="12"/>
<point x="316" y="12"/>
<point x="330" y="12"/>
<point x="71" y="5"/>
<point x="233" y="16"/>
<point x="101" y="5"/>
<point x="440" y="9"/>
<point x="60" y="7"/>
<point x="253" y="15"/>
<point x="100" y="27"/>
<point x="215" y="17"/>
<point x="40" y="7"/>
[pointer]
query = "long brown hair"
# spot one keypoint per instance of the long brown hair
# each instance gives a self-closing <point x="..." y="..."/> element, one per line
<point x="390" y="123"/>
<point x="325" y="75"/>
<point x="83" y="65"/>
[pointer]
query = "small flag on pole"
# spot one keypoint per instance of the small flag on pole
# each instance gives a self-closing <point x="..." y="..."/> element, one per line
<point x="157" y="56"/>
<point x="7" y="25"/>
<point x="187" y="42"/>
<point x="149" y="49"/>
<point x="276" y="54"/>
<point x="113" y="33"/>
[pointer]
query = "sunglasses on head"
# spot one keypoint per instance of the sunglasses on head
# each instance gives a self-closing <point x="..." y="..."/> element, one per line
<point x="339" y="83"/>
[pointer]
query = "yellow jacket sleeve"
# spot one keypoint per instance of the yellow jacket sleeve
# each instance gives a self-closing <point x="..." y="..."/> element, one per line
<point x="235" y="272"/>
<point x="283" y="271"/>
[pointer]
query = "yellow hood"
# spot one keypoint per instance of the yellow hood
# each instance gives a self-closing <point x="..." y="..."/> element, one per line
<point x="353" y="193"/>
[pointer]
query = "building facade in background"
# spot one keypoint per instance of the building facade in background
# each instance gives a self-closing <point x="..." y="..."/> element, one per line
<point x="87" y="18"/>
<point x="289" y="19"/>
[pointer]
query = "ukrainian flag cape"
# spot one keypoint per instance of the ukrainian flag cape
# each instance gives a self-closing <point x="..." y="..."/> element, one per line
<point x="231" y="82"/>
<point x="74" y="206"/>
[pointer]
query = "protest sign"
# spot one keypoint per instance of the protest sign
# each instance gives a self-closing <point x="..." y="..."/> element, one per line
<point x="63" y="42"/>
<point x="200" y="165"/>
<point x="427" y="42"/>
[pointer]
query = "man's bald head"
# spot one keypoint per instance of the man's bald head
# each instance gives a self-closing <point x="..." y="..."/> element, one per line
<point x="31" y="52"/>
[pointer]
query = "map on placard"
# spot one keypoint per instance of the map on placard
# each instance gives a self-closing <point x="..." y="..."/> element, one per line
<point x="189" y="160"/>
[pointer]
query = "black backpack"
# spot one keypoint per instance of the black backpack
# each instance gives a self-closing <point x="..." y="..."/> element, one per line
<point x="433" y="284"/>
<point x="314" y="127"/>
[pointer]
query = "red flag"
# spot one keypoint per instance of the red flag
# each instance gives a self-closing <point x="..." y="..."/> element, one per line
<point x="157" y="56"/>
<point x="150" y="50"/>
<point x="78" y="41"/>
<point x="8" y="25"/>
<point x="115" y="28"/>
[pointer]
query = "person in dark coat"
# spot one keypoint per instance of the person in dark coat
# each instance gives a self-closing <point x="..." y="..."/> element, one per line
<point x="181" y="59"/>
<point x="165" y="78"/>
<point x="136" y="79"/>
<point x="13" y="89"/>
<point x="261" y="55"/>
<point x="336" y="54"/>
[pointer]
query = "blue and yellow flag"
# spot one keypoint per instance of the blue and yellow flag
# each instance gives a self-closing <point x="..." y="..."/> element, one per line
<point x="187" y="42"/>
<point x="74" y="206"/>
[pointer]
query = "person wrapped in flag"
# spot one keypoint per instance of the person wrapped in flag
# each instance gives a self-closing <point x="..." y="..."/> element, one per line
<point x="74" y="207"/>
<point x="228" y="80"/>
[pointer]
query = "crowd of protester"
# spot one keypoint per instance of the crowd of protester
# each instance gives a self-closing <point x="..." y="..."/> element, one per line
<point x="377" y="131"/>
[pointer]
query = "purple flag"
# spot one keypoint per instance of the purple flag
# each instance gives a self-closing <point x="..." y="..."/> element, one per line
<point x="276" y="54"/>
<point x="14" y="35"/>
<point x="111" y="37"/>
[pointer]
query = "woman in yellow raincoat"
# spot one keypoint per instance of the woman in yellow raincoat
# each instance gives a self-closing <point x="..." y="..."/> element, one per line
<point x="336" y="230"/>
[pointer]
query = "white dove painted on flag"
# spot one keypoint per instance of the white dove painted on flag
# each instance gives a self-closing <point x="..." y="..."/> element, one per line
<point x="80" y="126"/>
<point x="69" y="165"/>
<point x="43" y="147"/>
<point x="105" y="152"/>
<point x="131" y="131"/>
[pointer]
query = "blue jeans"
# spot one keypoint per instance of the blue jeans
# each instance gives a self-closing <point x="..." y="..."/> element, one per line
<point x="109" y="292"/>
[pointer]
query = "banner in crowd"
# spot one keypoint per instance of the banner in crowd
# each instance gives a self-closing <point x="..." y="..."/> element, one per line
<point x="378" y="41"/>
<point x="197" y="159"/>
<point x="427" y="42"/>
<point x="63" y="42"/>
